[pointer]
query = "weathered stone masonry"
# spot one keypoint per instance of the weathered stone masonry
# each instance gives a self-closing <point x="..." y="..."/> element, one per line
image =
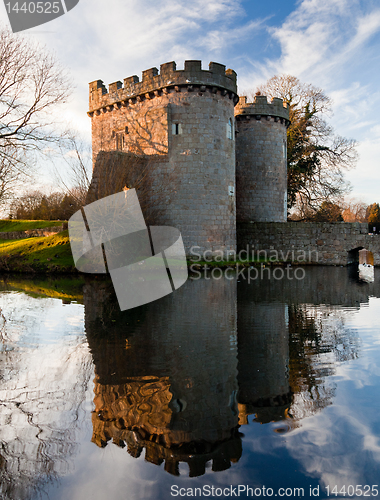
<point x="185" y="117"/>
<point x="261" y="170"/>
<point x="322" y="242"/>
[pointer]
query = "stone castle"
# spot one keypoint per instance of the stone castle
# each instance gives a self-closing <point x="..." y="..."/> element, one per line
<point x="210" y="158"/>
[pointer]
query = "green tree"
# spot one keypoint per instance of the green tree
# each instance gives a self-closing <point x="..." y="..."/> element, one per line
<point x="316" y="157"/>
<point x="329" y="212"/>
<point x="67" y="207"/>
<point x="36" y="205"/>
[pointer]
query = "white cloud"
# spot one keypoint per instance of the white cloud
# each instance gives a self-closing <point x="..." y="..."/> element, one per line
<point x="322" y="446"/>
<point x="366" y="177"/>
<point x="217" y="40"/>
<point x="321" y="37"/>
<point x="367" y="26"/>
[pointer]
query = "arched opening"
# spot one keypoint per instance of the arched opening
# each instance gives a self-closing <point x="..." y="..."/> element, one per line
<point x="362" y="265"/>
<point x="353" y="255"/>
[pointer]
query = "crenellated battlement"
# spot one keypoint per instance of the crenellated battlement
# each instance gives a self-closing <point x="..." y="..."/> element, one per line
<point x="154" y="83"/>
<point x="261" y="107"/>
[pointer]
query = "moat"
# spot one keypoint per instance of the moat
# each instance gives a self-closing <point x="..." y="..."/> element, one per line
<point x="272" y="385"/>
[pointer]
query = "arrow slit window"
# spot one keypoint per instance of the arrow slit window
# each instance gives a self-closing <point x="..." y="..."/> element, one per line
<point x="230" y="129"/>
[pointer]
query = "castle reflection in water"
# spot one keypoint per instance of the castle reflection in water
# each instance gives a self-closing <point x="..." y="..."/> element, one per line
<point x="180" y="376"/>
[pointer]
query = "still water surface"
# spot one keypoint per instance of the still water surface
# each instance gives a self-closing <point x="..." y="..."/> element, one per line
<point x="270" y="384"/>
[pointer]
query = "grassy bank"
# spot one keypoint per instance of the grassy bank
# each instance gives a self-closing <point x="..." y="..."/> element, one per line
<point x="49" y="254"/>
<point x="9" y="225"/>
<point x="52" y="254"/>
<point x="66" y="288"/>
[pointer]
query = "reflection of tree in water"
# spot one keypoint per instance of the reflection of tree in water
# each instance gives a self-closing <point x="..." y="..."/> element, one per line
<point x="287" y="355"/>
<point x="318" y="340"/>
<point x="42" y="388"/>
<point x="3" y="321"/>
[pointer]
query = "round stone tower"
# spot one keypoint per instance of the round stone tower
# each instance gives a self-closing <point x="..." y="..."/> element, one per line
<point x="181" y="123"/>
<point x="261" y="171"/>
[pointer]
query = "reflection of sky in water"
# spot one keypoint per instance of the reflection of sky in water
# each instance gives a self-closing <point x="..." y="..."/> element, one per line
<point x="329" y="435"/>
<point x="41" y="320"/>
<point x="341" y="444"/>
<point x="44" y="372"/>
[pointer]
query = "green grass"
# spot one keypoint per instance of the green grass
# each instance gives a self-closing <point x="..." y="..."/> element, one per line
<point x="8" y="225"/>
<point x="66" y="288"/>
<point x="43" y="254"/>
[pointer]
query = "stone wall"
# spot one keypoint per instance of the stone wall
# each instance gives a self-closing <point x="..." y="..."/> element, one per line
<point x="30" y="233"/>
<point x="311" y="242"/>
<point x="141" y="128"/>
<point x="261" y="173"/>
<point x="335" y="286"/>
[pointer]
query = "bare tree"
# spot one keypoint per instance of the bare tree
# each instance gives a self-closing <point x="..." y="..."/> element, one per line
<point x="74" y="180"/>
<point x="38" y="205"/>
<point x="32" y="84"/>
<point x="354" y="211"/>
<point x="14" y="172"/>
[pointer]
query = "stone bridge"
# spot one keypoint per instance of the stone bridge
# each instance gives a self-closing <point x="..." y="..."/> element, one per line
<point x="325" y="243"/>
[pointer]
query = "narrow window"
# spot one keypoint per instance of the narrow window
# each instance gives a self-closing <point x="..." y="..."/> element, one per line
<point x="176" y="128"/>
<point x="230" y="129"/>
<point x="119" y="142"/>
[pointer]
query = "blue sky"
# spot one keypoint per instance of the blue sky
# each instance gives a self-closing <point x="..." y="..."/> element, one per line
<point x="333" y="44"/>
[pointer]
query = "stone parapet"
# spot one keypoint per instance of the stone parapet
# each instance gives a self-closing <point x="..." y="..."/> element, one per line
<point x="277" y="108"/>
<point x="154" y="83"/>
